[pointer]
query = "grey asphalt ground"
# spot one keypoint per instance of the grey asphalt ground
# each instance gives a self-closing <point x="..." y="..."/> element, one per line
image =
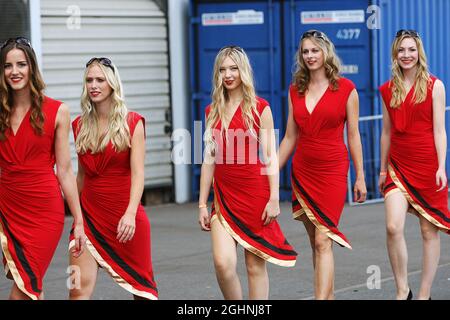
<point x="183" y="265"/>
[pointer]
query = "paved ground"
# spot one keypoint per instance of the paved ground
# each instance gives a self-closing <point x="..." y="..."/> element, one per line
<point x="184" y="269"/>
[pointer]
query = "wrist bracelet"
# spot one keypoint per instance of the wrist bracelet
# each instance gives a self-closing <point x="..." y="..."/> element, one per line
<point x="203" y="205"/>
<point x="383" y="173"/>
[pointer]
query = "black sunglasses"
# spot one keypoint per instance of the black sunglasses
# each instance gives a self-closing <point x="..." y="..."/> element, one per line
<point x="314" y="33"/>
<point x="20" y="40"/>
<point x="237" y="48"/>
<point x="409" y="32"/>
<point x="104" y="61"/>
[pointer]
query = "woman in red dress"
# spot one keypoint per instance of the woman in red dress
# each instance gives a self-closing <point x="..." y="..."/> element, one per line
<point x="320" y="102"/>
<point x="413" y="151"/>
<point x="34" y="135"/>
<point x="246" y="191"/>
<point x="110" y="142"/>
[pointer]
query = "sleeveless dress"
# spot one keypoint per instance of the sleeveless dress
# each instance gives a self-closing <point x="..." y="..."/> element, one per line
<point x="31" y="203"/>
<point x="104" y="199"/>
<point x="412" y="159"/>
<point x="241" y="192"/>
<point x="320" y="163"/>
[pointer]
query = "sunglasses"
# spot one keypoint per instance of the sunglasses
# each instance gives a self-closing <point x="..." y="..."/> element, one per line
<point x="315" y="34"/>
<point x="19" y="40"/>
<point x="237" y="48"/>
<point x="409" y="32"/>
<point x="104" y="61"/>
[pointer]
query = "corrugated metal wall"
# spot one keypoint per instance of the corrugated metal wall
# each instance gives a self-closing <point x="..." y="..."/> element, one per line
<point x="134" y="34"/>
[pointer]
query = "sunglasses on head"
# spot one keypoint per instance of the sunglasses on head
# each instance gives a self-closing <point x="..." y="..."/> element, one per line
<point x="104" y="61"/>
<point x="314" y="34"/>
<point x="19" y="40"/>
<point x="409" y="32"/>
<point x="237" y="48"/>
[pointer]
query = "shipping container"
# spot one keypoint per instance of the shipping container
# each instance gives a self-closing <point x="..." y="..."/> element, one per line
<point x="362" y="32"/>
<point x="430" y="19"/>
<point x="345" y="24"/>
<point x="252" y="25"/>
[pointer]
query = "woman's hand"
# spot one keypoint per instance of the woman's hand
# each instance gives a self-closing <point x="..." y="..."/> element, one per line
<point x="360" y="190"/>
<point x="381" y="183"/>
<point x="126" y="227"/>
<point x="204" y="219"/>
<point x="271" y="211"/>
<point x="441" y="179"/>
<point x="80" y="239"/>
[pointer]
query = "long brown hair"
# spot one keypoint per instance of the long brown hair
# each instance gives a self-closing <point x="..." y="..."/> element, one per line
<point x="37" y="87"/>
<point x="332" y="62"/>
<point x="422" y="80"/>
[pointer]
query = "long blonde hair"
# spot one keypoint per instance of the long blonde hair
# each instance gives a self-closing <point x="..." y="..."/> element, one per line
<point x="332" y="63"/>
<point x="422" y="80"/>
<point x="89" y="137"/>
<point x="219" y="94"/>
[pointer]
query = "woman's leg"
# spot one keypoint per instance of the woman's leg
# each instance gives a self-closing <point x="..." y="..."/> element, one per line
<point x="431" y="254"/>
<point x="17" y="294"/>
<point x="225" y="261"/>
<point x="324" y="270"/>
<point x="323" y="260"/>
<point x="258" y="280"/>
<point x="396" y="207"/>
<point x="84" y="276"/>
<point x="311" y="230"/>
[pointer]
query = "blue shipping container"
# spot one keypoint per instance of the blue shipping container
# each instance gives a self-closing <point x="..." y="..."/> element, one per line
<point x="252" y="25"/>
<point x="430" y="19"/>
<point x="345" y="23"/>
<point x="362" y="31"/>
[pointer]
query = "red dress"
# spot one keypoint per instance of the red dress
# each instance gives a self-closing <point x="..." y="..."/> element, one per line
<point x="31" y="204"/>
<point x="104" y="199"/>
<point x="241" y="193"/>
<point x="320" y="163"/>
<point x="412" y="159"/>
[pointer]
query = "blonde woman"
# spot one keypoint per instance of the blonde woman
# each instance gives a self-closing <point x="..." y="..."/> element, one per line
<point x="246" y="191"/>
<point x="320" y="103"/>
<point x="413" y="151"/>
<point x="110" y="142"/>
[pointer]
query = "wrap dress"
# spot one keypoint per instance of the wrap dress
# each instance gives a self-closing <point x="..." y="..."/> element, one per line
<point x="31" y="203"/>
<point x="320" y="163"/>
<point x="104" y="199"/>
<point x="241" y="191"/>
<point x="412" y="158"/>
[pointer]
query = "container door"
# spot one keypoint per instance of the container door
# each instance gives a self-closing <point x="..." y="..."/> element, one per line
<point x="345" y="23"/>
<point x="248" y="24"/>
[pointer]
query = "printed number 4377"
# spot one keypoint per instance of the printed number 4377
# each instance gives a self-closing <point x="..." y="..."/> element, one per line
<point x="348" y="34"/>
